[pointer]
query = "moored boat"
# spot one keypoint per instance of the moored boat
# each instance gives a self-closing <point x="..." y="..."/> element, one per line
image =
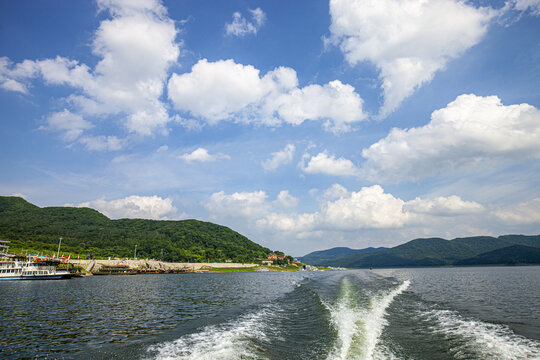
<point x="30" y="270"/>
<point x="118" y="269"/>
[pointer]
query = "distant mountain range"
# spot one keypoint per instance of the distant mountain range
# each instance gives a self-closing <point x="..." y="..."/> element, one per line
<point x="478" y="250"/>
<point x="86" y="232"/>
<point x="323" y="257"/>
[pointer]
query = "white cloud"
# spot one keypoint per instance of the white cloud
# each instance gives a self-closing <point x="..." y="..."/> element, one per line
<point x="471" y="130"/>
<point x="238" y="204"/>
<point x="443" y="206"/>
<point x="521" y="214"/>
<point x="323" y="163"/>
<point x="12" y="85"/>
<point x="260" y="17"/>
<point x="336" y="103"/>
<point x="335" y="191"/>
<point x="72" y="125"/>
<point x="368" y="208"/>
<point x="215" y="90"/>
<point x="103" y="143"/>
<point x="294" y="223"/>
<point x="408" y="41"/>
<point x="240" y="26"/>
<point x="143" y="207"/>
<point x="188" y="124"/>
<point x="526" y="5"/>
<point x="12" y="75"/>
<point x="286" y="200"/>
<point x="279" y="158"/>
<point x="202" y="155"/>
<point x="225" y="90"/>
<point x="136" y="46"/>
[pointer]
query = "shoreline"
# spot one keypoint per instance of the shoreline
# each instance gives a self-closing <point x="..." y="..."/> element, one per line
<point x="101" y="267"/>
<point x="91" y="266"/>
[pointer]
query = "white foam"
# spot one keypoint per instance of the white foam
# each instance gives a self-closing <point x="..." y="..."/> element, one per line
<point x="360" y="327"/>
<point x="229" y="341"/>
<point x="470" y="337"/>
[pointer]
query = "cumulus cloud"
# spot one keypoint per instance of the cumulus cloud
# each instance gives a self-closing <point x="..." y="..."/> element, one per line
<point x="286" y="200"/>
<point x="143" y="207"/>
<point x="202" y="155"/>
<point x="520" y="214"/>
<point x="323" y="163"/>
<point x="240" y="26"/>
<point x="340" y="210"/>
<point x="469" y="131"/>
<point x="238" y="204"/>
<point x="225" y="90"/>
<point x="335" y="191"/>
<point x="368" y="208"/>
<point x="282" y="157"/>
<point x="443" y="206"/>
<point x="408" y="41"/>
<point x="71" y="125"/>
<point x="136" y="46"/>
<point x="293" y="223"/>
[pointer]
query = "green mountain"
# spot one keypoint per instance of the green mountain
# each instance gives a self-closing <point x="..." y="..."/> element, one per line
<point x="510" y="255"/>
<point x="86" y="232"/>
<point x="322" y="257"/>
<point x="434" y="251"/>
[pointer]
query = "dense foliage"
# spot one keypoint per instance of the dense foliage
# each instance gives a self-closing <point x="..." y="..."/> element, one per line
<point x="510" y="255"/>
<point x="89" y="233"/>
<point x="441" y="252"/>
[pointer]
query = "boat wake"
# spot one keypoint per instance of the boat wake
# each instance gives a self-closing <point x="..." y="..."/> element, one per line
<point x="359" y="319"/>
<point x="232" y="340"/>
<point x="474" y="339"/>
<point x="362" y="321"/>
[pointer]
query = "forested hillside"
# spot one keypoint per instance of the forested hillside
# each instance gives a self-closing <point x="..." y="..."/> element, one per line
<point x="88" y="232"/>
<point x="322" y="257"/>
<point x="440" y="252"/>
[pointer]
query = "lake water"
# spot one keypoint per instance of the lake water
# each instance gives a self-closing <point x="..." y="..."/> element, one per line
<point x="439" y="313"/>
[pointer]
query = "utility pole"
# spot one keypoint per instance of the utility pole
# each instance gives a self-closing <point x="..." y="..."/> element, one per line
<point x="58" y="252"/>
<point x="161" y="255"/>
<point x="135" y="253"/>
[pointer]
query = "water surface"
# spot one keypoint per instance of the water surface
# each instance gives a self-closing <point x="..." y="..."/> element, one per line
<point x="436" y="313"/>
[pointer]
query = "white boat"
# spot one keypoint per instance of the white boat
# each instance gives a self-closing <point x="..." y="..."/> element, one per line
<point x="30" y="270"/>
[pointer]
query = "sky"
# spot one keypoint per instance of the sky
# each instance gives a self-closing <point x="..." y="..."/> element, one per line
<point x="302" y="125"/>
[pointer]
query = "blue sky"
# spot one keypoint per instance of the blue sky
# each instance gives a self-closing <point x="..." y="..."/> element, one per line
<point x="302" y="125"/>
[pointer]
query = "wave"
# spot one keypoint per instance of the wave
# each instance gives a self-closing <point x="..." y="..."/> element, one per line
<point x="470" y="338"/>
<point x="232" y="340"/>
<point x="359" y="319"/>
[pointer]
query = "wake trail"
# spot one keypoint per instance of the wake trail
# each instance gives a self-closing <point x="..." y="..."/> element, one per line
<point x="229" y="341"/>
<point x="471" y="338"/>
<point x="359" y="320"/>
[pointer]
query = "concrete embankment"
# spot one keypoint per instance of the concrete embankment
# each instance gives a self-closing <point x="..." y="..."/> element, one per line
<point x="96" y="265"/>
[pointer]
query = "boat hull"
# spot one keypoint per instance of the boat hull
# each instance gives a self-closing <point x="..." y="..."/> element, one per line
<point x="37" y="277"/>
